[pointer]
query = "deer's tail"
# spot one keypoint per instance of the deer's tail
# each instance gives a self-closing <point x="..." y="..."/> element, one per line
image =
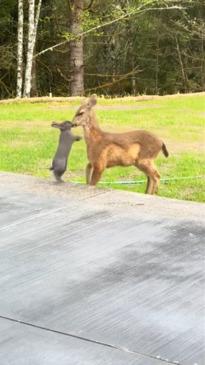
<point x="164" y="150"/>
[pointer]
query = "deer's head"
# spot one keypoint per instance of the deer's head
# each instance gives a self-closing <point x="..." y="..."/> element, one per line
<point x="83" y="114"/>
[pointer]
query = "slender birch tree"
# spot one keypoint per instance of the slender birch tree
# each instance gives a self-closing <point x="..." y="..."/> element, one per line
<point x="32" y="31"/>
<point x="20" y="50"/>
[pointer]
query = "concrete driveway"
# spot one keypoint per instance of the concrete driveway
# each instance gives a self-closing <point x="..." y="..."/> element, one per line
<point x="93" y="276"/>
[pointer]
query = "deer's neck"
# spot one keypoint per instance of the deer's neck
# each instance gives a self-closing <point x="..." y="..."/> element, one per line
<point x="92" y="132"/>
<point x="93" y="137"/>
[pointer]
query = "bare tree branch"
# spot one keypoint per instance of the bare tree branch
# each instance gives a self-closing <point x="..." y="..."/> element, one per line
<point x="124" y="16"/>
<point x="90" y="5"/>
<point x="110" y="84"/>
<point x="69" y="5"/>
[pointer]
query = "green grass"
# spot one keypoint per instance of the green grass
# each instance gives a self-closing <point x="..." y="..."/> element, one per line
<point x="28" y="143"/>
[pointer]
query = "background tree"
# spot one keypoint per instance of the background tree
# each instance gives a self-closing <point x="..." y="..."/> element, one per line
<point x="8" y="31"/>
<point x="154" y="50"/>
<point x="76" y="47"/>
<point x="33" y="19"/>
<point x="20" y="49"/>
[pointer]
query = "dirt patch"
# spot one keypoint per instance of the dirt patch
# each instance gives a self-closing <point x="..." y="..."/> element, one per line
<point x="47" y="99"/>
<point x="125" y="107"/>
<point x="185" y="147"/>
<point x="105" y="107"/>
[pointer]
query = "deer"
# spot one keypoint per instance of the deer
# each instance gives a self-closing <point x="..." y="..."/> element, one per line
<point x="66" y="139"/>
<point x="137" y="148"/>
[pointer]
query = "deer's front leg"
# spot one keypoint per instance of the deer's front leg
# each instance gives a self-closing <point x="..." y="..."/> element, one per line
<point x="96" y="175"/>
<point x="88" y="172"/>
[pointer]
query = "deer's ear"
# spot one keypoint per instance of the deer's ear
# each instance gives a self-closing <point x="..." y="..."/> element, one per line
<point x="83" y="102"/>
<point x="92" y="101"/>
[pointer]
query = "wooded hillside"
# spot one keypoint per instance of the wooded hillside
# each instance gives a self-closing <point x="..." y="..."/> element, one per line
<point x="112" y="47"/>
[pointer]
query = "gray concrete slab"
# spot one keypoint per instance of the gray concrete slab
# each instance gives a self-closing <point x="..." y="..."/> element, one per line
<point x="116" y="268"/>
<point x="26" y="345"/>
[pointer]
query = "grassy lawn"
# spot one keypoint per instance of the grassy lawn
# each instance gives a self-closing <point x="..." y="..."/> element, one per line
<point x="28" y="143"/>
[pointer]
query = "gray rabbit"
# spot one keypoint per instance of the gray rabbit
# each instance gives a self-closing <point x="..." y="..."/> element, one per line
<point x="66" y="139"/>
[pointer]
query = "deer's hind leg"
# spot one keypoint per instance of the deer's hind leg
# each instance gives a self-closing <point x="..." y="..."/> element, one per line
<point x="153" y="177"/>
<point x="148" y="184"/>
<point x="156" y="178"/>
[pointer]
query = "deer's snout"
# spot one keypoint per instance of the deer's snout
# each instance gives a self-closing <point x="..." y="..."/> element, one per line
<point x="75" y="122"/>
<point x="74" y="125"/>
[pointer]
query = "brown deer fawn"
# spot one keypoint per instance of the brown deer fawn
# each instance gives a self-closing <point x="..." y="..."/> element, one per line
<point x="138" y="148"/>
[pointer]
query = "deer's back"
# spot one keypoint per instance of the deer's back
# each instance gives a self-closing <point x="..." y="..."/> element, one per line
<point x="124" y="148"/>
<point x="148" y="142"/>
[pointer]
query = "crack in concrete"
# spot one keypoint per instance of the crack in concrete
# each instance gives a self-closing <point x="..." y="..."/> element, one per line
<point x="82" y="338"/>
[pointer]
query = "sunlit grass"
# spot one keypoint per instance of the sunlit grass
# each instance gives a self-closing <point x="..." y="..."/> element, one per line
<point x="28" y="143"/>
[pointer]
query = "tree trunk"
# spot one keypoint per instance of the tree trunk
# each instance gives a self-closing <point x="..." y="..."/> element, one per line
<point x="32" y="31"/>
<point x="133" y="78"/>
<point x="183" y="72"/>
<point x="76" y="49"/>
<point x="34" y="91"/>
<point x="34" y="68"/>
<point x="157" y="66"/>
<point x="20" y="50"/>
<point x="202" y="62"/>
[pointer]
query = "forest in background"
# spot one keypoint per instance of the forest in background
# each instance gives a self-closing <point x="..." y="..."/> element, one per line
<point x="129" y="47"/>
